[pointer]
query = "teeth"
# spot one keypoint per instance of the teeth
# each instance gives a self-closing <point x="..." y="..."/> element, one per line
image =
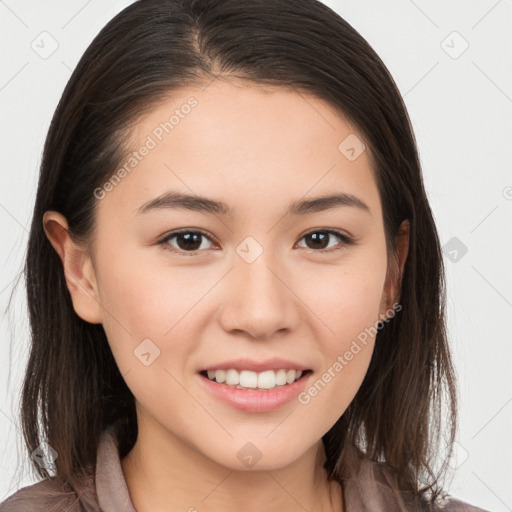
<point x="232" y="378"/>
<point x="281" y="377"/>
<point x="248" y="379"/>
<point x="267" y="380"/>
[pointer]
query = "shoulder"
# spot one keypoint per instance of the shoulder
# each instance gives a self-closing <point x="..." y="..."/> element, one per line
<point x="43" y="496"/>
<point x="451" y="504"/>
<point x="376" y="479"/>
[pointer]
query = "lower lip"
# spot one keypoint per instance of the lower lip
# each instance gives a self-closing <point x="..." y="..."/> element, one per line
<point x="255" y="400"/>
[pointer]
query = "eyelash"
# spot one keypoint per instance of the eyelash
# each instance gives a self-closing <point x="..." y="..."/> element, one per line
<point x="346" y="241"/>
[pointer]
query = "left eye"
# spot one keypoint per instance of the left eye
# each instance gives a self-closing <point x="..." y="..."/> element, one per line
<point x="190" y="241"/>
<point x="325" y="234"/>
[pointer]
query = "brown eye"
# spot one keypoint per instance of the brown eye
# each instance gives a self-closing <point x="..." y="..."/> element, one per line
<point x="186" y="241"/>
<point x="319" y="240"/>
<point x="190" y="242"/>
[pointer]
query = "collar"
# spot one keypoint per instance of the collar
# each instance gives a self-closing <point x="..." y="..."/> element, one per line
<point x="111" y="488"/>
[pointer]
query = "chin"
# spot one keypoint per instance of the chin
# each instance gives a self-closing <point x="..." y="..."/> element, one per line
<point x="258" y="455"/>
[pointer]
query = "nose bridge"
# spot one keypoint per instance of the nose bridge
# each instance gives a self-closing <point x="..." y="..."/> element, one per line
<point x="258" y="300"/>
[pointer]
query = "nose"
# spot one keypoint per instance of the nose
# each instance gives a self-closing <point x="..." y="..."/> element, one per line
<point x="258" y="300"/>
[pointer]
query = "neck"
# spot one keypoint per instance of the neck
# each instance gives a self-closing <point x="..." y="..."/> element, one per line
<point x="164" y="474"/>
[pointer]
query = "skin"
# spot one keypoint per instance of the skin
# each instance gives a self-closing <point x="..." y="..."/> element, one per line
<point x="241" y="145"/>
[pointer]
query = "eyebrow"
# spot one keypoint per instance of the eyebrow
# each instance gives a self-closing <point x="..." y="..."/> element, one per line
<point x="177" y="200"/>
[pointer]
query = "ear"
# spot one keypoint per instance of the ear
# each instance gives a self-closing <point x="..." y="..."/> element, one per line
<point x="78" y="268"/>
<point x="393" y="284"/>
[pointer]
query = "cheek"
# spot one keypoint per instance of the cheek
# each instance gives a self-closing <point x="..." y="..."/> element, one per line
<point x="149" y="333"/>
<point x="347" y="302"/>
<point x="345" y="298"/>
<point x="144" y="295"/>
<point x="330" y="393"/>
<point x="346" y="357"/>
<point x="150" y="308"/>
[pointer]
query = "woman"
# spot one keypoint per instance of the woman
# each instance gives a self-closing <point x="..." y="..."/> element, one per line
<point x="235" y="282"/>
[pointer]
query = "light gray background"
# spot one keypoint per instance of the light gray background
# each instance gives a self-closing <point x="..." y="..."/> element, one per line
<point x="460" y="105"/>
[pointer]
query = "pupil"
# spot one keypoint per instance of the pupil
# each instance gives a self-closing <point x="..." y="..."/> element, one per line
<point x="322" y="237"/>
<point x="188" y="237"/>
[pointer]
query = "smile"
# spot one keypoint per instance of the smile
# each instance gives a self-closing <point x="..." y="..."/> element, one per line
<point x="247" y="379"/>
<point x="244" y="392"/>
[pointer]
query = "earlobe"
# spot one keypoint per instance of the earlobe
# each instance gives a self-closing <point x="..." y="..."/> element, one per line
<point x="77" y="267"/>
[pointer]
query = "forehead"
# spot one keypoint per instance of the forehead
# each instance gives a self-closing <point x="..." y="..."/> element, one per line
<point x="238" y="142"/>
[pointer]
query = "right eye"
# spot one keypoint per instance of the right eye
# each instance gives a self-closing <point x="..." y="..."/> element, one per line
<point x="188" y="241"/>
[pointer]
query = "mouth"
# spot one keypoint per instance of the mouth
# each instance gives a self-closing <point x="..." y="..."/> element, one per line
<point x="255" y="391"/>
<point x="251" y="380"/>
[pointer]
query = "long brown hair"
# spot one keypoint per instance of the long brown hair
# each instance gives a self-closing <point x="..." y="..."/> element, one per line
<point x="73" y="388"/>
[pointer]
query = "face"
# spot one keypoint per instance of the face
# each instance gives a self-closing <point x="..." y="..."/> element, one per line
<point x="254" y="288"/>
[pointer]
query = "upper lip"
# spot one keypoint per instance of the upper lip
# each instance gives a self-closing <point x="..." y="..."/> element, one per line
<point x="276" y="363"/>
